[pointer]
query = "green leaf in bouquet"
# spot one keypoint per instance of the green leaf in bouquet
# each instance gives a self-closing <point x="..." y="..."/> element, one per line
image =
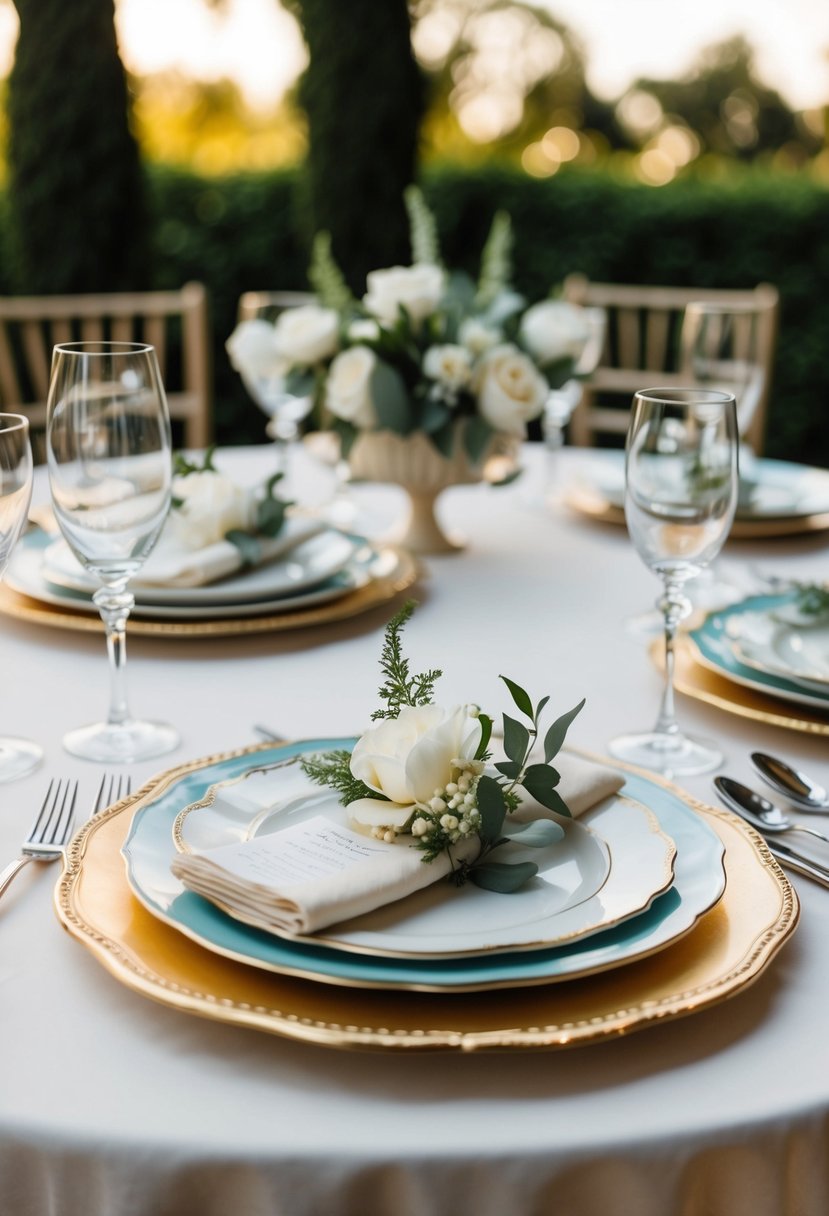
<point x="434" y="415"/>
<point x="347" y="433"/>
<point x="491" y="806"/>
<point x="555" y="736"/>
<point x="509" y="768"/>
<point x="391" y="401"/>
<point x="444" y="439"/>
<point x="516" y="739"/>
<point x="270" y="516"/>
<point x="539" y="782"/>
<point x="486" y="735"/>
<point x="501" y="876"/>
<point x="477" y="436"/>
<point x="519" y="696"/>
<point x="300" y="382"/>
<point x="537" y="834"/>
<point x="559" y="371"/>
<point x="539" y="707"/>
<point x="506" y="306"/>
<point x="249" y="548"/>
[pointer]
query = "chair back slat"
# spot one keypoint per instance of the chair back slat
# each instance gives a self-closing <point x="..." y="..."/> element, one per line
<point x="31" y="325"/>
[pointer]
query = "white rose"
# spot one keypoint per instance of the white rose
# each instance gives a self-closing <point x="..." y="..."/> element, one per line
<point x="450" y="365"/>
<point x="211" y="505"/>
<point x="554" y="330"/>
<point x="253" y="351"/>
<point x="477" y="336"/>
<point x="408" y="757"/>
<point x="348" y="387"/>
<point x="511" y="390"/>
<point x="306" y="334"/>
<point x="418" y="288"/>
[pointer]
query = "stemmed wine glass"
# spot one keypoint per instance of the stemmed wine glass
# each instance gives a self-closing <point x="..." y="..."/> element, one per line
<point x="110" y="472"/>
<point x="561" y="402"/>
<point x="680" y="498"/>
<point x="17" y="756"/>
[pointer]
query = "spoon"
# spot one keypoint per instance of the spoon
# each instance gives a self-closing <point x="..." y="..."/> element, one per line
<point x="796" y="786"/>
<point x="758" y="811"/>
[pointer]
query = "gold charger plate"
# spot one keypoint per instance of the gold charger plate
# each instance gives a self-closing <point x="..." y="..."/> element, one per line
<point x="702" y="683"/>
<point x="594" y="506"/>
<point x="724" y="953"/>
<point x="381" y="589"/>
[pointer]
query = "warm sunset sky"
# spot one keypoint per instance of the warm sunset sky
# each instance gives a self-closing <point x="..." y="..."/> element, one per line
<point x="256" y="42"/>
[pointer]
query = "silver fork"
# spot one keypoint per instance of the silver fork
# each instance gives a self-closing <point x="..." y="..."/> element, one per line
<point x="49" y="832"/>
<point x="113" y="787"/>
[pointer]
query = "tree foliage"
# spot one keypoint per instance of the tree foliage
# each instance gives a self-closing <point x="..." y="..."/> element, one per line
<point x="75" y="184"/>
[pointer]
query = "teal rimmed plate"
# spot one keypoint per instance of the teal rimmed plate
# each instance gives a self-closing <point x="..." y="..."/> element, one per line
<point x="699" y="880"/>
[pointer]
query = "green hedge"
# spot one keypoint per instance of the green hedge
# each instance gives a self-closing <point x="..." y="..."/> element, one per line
<point x="246" y="232"/>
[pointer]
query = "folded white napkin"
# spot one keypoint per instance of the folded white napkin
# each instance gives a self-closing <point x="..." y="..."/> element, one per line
<point x="320" y="872"/>
<point x="171" y="565"/>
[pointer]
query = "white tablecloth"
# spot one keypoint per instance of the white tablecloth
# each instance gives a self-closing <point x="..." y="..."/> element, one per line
<point x="111" y="1104"/>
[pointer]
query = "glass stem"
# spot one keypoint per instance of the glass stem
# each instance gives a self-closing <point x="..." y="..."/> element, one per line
<point x="115" y="605"/>
<point x="553" y="443"/>
<point x="674" y="606"/>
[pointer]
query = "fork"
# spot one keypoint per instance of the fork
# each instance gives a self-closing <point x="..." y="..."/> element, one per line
<point x="118" y="786"/>
<point x="49" y="832"/>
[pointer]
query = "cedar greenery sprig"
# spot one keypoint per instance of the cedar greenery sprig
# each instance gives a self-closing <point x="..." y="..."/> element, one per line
<point x="400" y="687"/>
<point x="334" y="770"/>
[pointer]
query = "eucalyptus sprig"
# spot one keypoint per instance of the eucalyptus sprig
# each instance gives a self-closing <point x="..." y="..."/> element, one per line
<point x="269" y="521"/>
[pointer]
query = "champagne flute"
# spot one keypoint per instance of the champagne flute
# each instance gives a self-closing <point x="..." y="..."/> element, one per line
<point x="680" y="498"/>
<point x="17" y="756"/>
<point x="110" y="472"/>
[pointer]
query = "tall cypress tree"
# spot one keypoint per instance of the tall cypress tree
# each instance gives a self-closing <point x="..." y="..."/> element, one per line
<point x="75" y="183"/>
<point x="363" y="96"/>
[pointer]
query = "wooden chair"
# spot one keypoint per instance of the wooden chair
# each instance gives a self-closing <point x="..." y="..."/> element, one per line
<point x="174" y="322"/>
<point x="268" y="304"/>
<point x="642" y="349"/>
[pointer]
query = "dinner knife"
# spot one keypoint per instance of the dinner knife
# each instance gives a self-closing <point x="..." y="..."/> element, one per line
<point x="793" y="861"/>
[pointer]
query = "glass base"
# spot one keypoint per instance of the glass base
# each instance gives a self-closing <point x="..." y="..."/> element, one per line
<point x="670" y="755"/>
<point x="18" y="757"/>
<point x="132" y="740"/>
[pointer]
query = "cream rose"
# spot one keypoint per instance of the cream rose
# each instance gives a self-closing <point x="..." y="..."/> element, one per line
<point x="306" y="334"/>
<point x="418" y="288"/>
<point x="348" y="387"/>
<point x="253" y="351"/>
<point x="449" y="365"/>
<point x="554" y="330"/>
<point x="210" y="506"/>
<point x="408" y="759"/>
<point x="511" y="390"/>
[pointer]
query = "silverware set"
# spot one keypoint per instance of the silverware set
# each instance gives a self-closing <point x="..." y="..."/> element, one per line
<point x="54" y="823"/>
<point x="771" y="821"/>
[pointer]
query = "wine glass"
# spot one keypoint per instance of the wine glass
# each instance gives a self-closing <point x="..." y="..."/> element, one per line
<point x="267" y="386"/>
<point x="110" y="471"/>
<point x="680" y="497"/>
<point x="561" y="402"/>
<point x="17" y="756"/>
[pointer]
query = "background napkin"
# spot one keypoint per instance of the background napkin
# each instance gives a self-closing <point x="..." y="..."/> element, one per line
<point x="390" y="873"/>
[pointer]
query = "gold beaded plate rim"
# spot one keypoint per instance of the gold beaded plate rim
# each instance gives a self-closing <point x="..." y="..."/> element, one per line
<point x="378" y="591"/>
<point x="724" y="953"/>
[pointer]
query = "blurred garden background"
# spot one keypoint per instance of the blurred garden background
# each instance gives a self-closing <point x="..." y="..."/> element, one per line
<point x="159" y="141"/>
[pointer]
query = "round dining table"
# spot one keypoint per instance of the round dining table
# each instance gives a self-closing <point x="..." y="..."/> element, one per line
<point x="114" y="1105"/>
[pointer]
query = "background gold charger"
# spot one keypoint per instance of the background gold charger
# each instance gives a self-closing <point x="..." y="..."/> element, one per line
<point x="378" y="591"/>
<point x="727" y="949"/>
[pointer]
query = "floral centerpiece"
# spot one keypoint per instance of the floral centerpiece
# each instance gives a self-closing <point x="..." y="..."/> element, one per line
<point x="429" y="370"/>
<point x="423" y="772"/>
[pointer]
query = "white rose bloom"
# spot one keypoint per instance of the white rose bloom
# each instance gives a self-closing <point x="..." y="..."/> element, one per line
<point x="363" y="330"/>
<point x="408" y="757"/>
<point x="418" y="288"/>
<point x="554" y="330"/>
<point x="477" y="336"/>
<point x="253" y="351"/>
<point x="348" y="387"/>
<point x="511" y="390"/>
<point x="306" y="334"/>
<point x="450" y="365"/>
<point x="211" y="505"/>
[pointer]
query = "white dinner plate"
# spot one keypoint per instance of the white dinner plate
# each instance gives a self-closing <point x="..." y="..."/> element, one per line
<point x="769" y="489"/>
<point x="699" y="881"/>
<point x="597" y="876"/>
<point x="800" y="653"/>
<point x="307" y="565"/>
<point x="24" y="574"/>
